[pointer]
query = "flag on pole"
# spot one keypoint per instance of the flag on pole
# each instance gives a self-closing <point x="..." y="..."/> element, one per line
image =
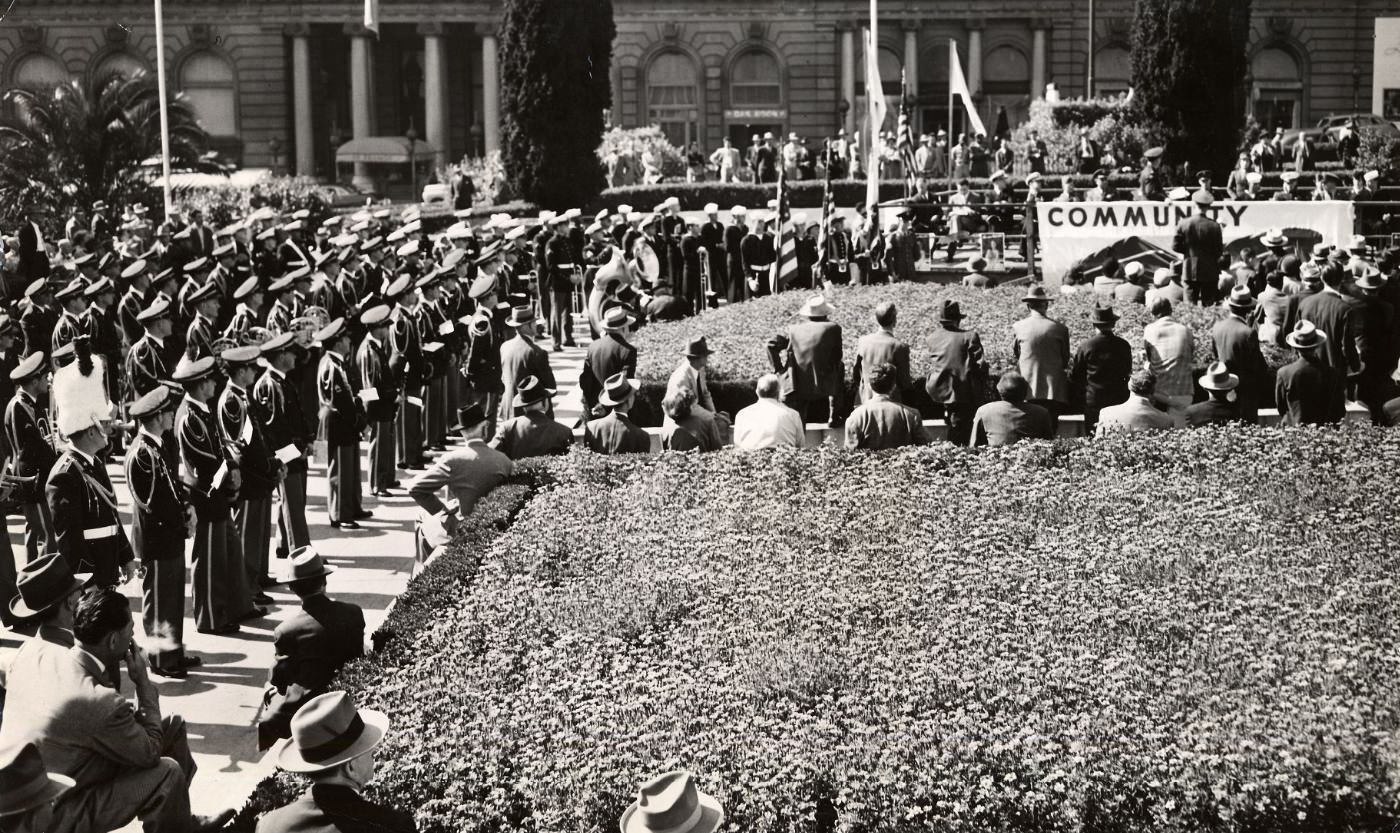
<point x="905" y="141"/>
<point x="957" y="84"/>
<point x="825" y="228"/>
<point x="875" y="97"/>
<point x="372" y="16"/>
<point x="785" y="264"/>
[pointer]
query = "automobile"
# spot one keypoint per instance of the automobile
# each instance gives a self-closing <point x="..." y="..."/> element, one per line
<point x="1323" y="136"/>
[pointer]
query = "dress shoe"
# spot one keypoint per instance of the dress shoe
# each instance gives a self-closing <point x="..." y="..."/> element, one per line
<point x="264" y="599"/>
<point x="361" y="514"/>
<point x="394" y="484"/>
<point x="172" y="673"/>
<point x="267" y="581"/>
<point x="222" y="630"/>
<point x="440" y="449"/>
<point x="382" y="493"/>
<point x="344" y="525"/>
<point x="257" y="612"/>
<point x="203" y="824"/>
<point x="558" y="348"/>
<point x="570" y="343"/>
<point x="415" y="466"/>
<point x="190" y="662"/>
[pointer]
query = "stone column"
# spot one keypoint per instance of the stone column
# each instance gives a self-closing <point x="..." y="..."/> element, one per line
<point x="911" y="57"/>
<point x="434" y="90"/>
<point x="1038" y="61"/>
<point x="848" y="77"/>
<point x="974" y="58"/>
<point x="303" y="132"/>
<point x="490" y="89"/>
<point x="361" y="117"/>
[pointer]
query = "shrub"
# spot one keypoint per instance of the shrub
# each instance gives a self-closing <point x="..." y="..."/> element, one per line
<point x="640" y="140"/>
<point x="226" y="203"/>
<point x="1203" y="640"/>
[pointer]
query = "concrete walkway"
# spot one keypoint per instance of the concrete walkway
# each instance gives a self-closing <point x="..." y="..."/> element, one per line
<point x="220" y="700"/>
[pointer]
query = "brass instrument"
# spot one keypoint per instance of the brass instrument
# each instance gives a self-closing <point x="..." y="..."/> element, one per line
<point x="708" y="290"/>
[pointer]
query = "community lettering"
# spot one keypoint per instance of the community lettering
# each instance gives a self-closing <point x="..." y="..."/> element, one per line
<point x="1139" y="214"/>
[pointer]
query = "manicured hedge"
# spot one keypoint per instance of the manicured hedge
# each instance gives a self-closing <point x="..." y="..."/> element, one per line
<point x="1203" y="640"/>
<point x="738" y="333"/>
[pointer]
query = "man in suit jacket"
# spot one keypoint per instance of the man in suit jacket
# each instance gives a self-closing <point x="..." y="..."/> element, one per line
<point x="607" y="356"/>
<point x="615" y="433"/>
<point x="882" y="347"/>
<point x="1041" y="347"/>
<point x="1099" y="371"/>
<point x="126" y="762"/>
<point x="1235" y="341"/>
<point x="1310" y="391"/>
<point x="883" y="423"/>
<point x="521" y="357"/>
<point x="1340" y="316"/>
<point x="1217" y="382"/>
<point x="902" y="249"/>
<point x="808" y="357"/>
<point x="467" y="472"/>
<point x="340" y="424"/>
<point x="310" y="646"/>
<point x="1199" y="239"/>
<point x="957" y="370"/>
<point x="1011" y="419"/>
<point x="33" y="254"/>
<point x="45" y="600"/>
<point x="534" y="432"/>
<point x="27" y="432"/>
<point x="1139" y="413"/>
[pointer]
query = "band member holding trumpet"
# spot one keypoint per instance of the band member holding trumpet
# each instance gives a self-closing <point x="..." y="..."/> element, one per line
<point x="691" y="280"/>
<point x="712" y="239"/>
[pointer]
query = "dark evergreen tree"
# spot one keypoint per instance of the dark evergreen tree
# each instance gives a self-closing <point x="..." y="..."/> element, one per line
<point x="555" y="63"/>
<point x="1188" y="77"/>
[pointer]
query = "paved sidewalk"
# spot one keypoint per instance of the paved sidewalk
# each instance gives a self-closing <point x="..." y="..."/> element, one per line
<point x="220" y="699"/>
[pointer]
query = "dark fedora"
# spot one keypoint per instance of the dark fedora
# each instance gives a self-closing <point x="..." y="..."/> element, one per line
<point x="25" y="784"/>
<point x="950" y="310"/>
<point x="520" y="316"/>
<point x="469" y="417"/>
<point x="43" y="583"/>
<point x="698" y="347"/>
<point x="1036" y="293"/>
<point x="616" y="390"/>
<point x="529" y="391"/>
<point x="1104" y="316"/>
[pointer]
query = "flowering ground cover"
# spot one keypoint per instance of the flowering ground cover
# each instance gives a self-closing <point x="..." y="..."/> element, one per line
<point x="1196" y="631"/>
<point x="738" y="333"/>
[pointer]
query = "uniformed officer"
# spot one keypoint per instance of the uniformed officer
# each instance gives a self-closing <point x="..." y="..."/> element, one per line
<point x="241" y="431"/>
<point x="9" y="360"/>
<point x="249" y="297"/>
<point x="407" y="364"/>
<point x="199" y="339"/>
<point x="27" y="432"/>
<point x="221" y="595"/>
<point x="734" y="260"/>
<point x="146" y="366"/>
<point x="341" y="421"/>
<point x="38" y="320"/>
<point x="378" y="391"/>
<point x="161" y="520"/>
<point x="431" y="325"/>
<point x="279" y="312"/>
<point x="284" y="424"/>
<point x="99" y="324"/>
<point x="712" y="238"/>
<point x="138" y="281"/>
<point x="71" y="305"/>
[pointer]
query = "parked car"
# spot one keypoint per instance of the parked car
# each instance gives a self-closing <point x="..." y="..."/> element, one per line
<point x="1324" y="136"/>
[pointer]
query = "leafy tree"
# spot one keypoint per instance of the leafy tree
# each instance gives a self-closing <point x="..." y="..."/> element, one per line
<point x="74" y="144"/>
<point x="1188" y="77"/>
<point x="555" y="60"/>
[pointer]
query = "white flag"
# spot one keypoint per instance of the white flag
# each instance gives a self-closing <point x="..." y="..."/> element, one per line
<point x="372" y="16"/>
<point x="875" y="96"/>
<point x="958" y="85"/>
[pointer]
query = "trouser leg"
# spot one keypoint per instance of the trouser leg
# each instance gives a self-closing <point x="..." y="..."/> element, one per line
<point x="294" y="510"/>
<point x="163" y="608"/>
<point x="158" y="795"/>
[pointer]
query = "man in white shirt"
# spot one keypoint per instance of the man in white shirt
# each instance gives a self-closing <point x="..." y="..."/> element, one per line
<point x="768" y="423"/>
<point x="1138" y="413"/>
<point x="1170" y="349"/>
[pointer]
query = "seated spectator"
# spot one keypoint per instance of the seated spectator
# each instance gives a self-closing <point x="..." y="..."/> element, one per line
<point x="882" y="422"/>
<point x="27" y="790"/>
<point x="1310" y="391"/>
<point x="768" y="423"/>
<point x="1166" y="285"/>
<point x="333" y="744"/>
<point x="1274" y="310"/>
<point x="1170" y="349"/>
<point x="534" y="433"/>
<point x="1012" y="419"/>
<point x="310" y="647"/>
<point x="467" y="472"/>
<point x="616" y="433"/>
<point x="671" y="803"/>
<point x="1108" y="281"/>
<point x="1139" y="413"/>
<point x="1217" y="381"/>
<point x="975" y="279"/>
<point x="686" y="426"/>
<point x="1131" y="291"/>
<point x="127" y="763"/>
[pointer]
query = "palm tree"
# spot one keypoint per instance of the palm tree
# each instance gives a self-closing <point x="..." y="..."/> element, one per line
<point x="73" y="144"/>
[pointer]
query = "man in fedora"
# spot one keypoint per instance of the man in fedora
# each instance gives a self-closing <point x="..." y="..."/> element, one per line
<point x="1010" y="419"/>
<point x="309" y="647"/>
<point x="882" y="347"/>
<point x="609" y="355"/>
<point x="615" y="433"/>
<point x="975" y="279"/>
<point x="1139" y="412"/>
<point x="44" y="603"/>
<point x="1041" y="347"/>
<point x="1374" y="385"/>
<point x="1218" y="409"/>
<point x="467" y="472"/>
<point x="1099" y="371"/>
<point x="27" y="432"/>
<point x="521" y="357"/>
<point x="1235" y="342"/>
<point x="956" y="373"/>
<point x="1340" y="317"/>
<point x="1199" y="238"/>
<point x="28" y="790"/>
<point x="808" y="358"/>
<point x="1310" y="390"/>
<point x="332" y="744"/>
<point x="691" y="373"/>
<point x="883" y="423"/>
<point x="671" y="803"/>
<point x="534" y="432"/>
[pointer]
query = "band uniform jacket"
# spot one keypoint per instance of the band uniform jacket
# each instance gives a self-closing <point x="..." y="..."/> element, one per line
<point x="128" y="308"/>
<point x="241" y="431"/>
<point x="65" y="330"/>
<point x="88" y="530"/>
<point x="956" y="366"/>
<point x="372" y="368"/>
<point x="26" y="428"/>
<point x="521" y="357"/>
<point x="430" y="319"/>
<point x="243" y="320"/>
<point x="1041" y="348"/>
<point x="103" y="333"/>
<point x="877" y="348"/>
<point x="279" y="317"/>
<point x="1199" y="239"/>
<point x="333" y="808"/>
<point x="712" y="234"/>
<point x="36" y="326"/>
<point x="202" y="458"/>
<point x="808" y="357"/>
<point x="616" y="434"/>
<point x="406" y="348"/>
<point x="158" y="518"/>
<point x="199" y="339"/>
<point x="608" y="355"/>
<point x="339" y="412"/>
<point x="482" y="366"/>
<point x="145" y="367"/>
<point x="312" y="645"/>
<point x="284" y="419"/>
<point x="532" y="435"/>
<point x="734" y="234"/>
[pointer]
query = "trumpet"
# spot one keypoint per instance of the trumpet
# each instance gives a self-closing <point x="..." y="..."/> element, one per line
<point x="707" y="288"/>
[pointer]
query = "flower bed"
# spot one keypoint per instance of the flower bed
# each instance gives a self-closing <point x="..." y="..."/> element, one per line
<point x="922" y="640"/>
<point x="738" y="334"/>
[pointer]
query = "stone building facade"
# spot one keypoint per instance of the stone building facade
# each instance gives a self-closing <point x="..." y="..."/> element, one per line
<point x="281" y="83"/>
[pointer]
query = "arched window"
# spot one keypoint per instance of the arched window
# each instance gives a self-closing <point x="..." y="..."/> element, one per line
<point x="206" y="79"/>
<point x="755" y="81"/>
<point x="1006" y="83"/>
<point x="673" y="98"/>
<point x="39" y="72"/>
<point x="117" y="63"/>
<point x="1113" y="71"/>
<point x="1277" y="95"/>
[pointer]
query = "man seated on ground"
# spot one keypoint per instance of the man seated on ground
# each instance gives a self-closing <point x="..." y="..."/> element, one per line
<point x="1217" y="381"/>
<point x="467" y="472"/>
<point x="128" y="763"/>
<point x="28" y="790"/>
<point x="43" y="608"/>
<point x="688" y="426"/>
<point x="333" y="744"/>
<point x="881" y="422"/>
<point x="1012" y="419"/>
<point x="616" y="433"/>
<point x="534" y="433"/>
<point x="768" y="423"/>
<point x="311" y="646"/>
<point x="1139" y="413"/>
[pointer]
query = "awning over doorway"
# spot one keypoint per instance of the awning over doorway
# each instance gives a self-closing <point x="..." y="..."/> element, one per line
<point x="383" y="149"/>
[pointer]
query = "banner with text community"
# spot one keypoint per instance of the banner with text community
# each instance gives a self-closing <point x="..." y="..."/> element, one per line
<point x="1081" y="232"/>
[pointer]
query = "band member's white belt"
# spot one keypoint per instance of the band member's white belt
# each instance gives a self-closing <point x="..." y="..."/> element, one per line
<point x="100" y="532"/>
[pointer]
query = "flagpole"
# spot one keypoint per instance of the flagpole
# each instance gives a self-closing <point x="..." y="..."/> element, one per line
<point x="952" y="136"/>
<point x="164" y="113"/>
<point x="872" y="151"/>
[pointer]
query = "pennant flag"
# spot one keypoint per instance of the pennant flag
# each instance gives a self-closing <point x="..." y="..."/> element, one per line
<point x="372" y="16"/>
<point x="957" y="85"/>
<point x="905" y="141"/>
<point x="875" y="97"/>
<point x="825" y="228"/>
<point x="785" y="264"/>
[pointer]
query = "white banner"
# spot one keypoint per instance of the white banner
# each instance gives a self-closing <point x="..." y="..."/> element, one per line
<point x="1070" y="231"/>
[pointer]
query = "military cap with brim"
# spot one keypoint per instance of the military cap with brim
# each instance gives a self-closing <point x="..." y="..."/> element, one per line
<point x="327" y="731"/>
<point x="427" y="280"/>
<point x="454" y="257"/>
<point x="25" y="783"/>
<point x="167" y="274"/>
<point x="36" y="287"/>
<point x="43" y="583"/>
<point x="408" y="249"/>
<point x="301" y="214"/>
<point x="267" y="234"/>
<point x="72" y="289"/>
<point x="137" y="267"/>
<point x="63" y="354"/>
<point x="188" y="372"/>
<point x="159" y="308"/>
<point x="616" y="390"/>
<point x="226" y="250"/>
<point x="375" y="316"/>
<point x="397" y="287"/>
<point x="294" y="225"/>
<point x="330" y="332"/>
<point x="99" y="286"/>
<point x="28" y="368"/>
<point x="153" y="402"/>
<point x="488" y="254"/>
<point x="529" y="391"/>
<point x="196" y="264"/>
<point x="482" y="286"/>
<point x="319" y="258"/>
<point x="202" y="293"/>
<point x="246" y="288"/>
<point x="278" y="343"/>
<point x="372" y="244"/>
<point x="242" y="355"/>
<point x="83" y="259"/>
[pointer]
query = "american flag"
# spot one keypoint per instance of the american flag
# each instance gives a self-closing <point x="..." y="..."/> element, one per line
<point x="785" y="265"/>
<point x="905" y="142"/>
<point x="825" y="226"/>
